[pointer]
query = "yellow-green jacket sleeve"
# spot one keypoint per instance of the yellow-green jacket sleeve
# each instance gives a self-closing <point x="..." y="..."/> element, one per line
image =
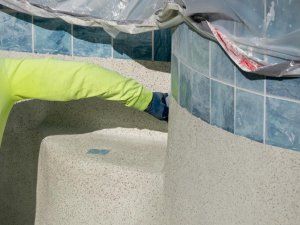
<point x="58" y="80"/>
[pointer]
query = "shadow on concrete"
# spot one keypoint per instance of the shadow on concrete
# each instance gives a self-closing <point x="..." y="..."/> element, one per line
<point x="29" y="123"/>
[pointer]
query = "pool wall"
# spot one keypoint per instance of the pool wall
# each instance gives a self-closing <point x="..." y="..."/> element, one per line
<point x="207" y="83"/>
<point x="234" y="137"/>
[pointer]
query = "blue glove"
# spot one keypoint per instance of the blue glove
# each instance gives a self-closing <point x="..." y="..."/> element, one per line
<point x="158" y="107"/>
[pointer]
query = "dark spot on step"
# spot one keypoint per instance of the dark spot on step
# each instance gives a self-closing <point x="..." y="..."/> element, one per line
<point x="98" y="151"/>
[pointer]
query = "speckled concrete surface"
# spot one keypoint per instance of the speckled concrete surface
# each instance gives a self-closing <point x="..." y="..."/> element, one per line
<point x="31" y="121"/>
<point x="216" y="178"/>
<point x="124" y="186"/>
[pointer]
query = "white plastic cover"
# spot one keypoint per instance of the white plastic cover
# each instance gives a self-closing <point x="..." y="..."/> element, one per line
<point x="260" y="36"/>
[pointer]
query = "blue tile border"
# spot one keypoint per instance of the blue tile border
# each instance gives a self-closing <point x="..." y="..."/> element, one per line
<point x="175" y="77"/>
<point x="262" y="109"/>
<point x="91" y="41"/>
<point x="201" y="97"/>
<point x="283" y="123"/>
<point x="288" y="88"/>
<point x="249" y="115"/>
<point x="54" y="36"/>
<point x="162" y="45"/>
<point x="185" y="88"/>
<point x="250" y="81"/>
<point x="137" y="46"/>
<point x="21" y="37"/>
<point x="222" y="106"/>
<point x="222" y="66"/>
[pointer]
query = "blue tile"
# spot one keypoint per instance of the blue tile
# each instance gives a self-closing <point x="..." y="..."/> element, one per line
<point x="52" y="36"/>
<point x="185" y="94"/>
<point x="198" y="52"/>
<point x="162" y="45"/>
<point x="287" y="17"/>
<point x="201" y="97"/>
<point x="283" y="124"/>
<point x="15" y="30"/>
<point x="175" y="39"/>
<point x="250" y="81"/>
<point x="134" y="46"/>
<point x="174" y="77"/>
<point x="222" y="106"/>
<point x="180" y="43"/>
<point x="91" y="41"/>
<point x="287" y="87"/>
<point x="249" y="118"/>
<point x="222" y="67"/>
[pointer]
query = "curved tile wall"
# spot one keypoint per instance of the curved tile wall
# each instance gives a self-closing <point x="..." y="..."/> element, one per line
<point x="208" y="84"/>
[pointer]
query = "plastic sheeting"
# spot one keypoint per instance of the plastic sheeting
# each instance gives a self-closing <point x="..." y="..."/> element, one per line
<point x="260" y="36"/>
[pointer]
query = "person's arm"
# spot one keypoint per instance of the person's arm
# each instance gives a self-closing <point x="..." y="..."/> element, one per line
<point x="58" y="80"/>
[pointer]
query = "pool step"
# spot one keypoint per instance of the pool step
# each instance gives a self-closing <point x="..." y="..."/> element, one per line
<point x="108" y="177"/>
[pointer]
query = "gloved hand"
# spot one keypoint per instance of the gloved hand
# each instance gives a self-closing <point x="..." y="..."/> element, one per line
<point x="159" y="107"/>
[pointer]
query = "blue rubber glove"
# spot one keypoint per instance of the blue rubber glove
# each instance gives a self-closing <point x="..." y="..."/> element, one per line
<point x="158" y="107"/>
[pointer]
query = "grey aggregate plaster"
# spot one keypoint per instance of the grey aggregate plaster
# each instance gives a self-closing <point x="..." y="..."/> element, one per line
<point x="216" y="178"/>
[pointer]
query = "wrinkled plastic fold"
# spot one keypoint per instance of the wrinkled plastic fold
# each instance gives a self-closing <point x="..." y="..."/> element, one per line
<point x="261" y="36"/>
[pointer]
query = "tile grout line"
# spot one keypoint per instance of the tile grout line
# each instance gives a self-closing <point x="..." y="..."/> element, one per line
<point x="32" y="34"/>
<point x="179" y="75"/>
<point x="72" y="40"/>
<point x="209" y="74"/>
<point x="235" y="90"/>
<point x="234" y="101"/>
<point x="112" y="47"/>
<point x="283" y="98"/>
<point x="242" y="89"/>
<point x="265" y="116"/>
<point x="265" y="89"/>
<point x="192" y="75"/>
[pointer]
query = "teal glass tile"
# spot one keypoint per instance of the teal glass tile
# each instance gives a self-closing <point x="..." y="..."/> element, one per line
<point x="198" y="52"/>
<point x="283" y="123"/>
<point x="180" y="42"/>
<point x="284" y="87"/>
<point x="201" y="97"/>
<point x="162" y="45"/>
<point x="249" y="120"/>
<point x="52" y="36"/>
<point x="222" y="106"/>
<point x="133" y="46"/>
<point x="174" y="77"/>
<point x="15" y="30"/>
<point x="91" y="41"/>
<point x="250" y="81"/>
<point x="185" y="94"/>
<point x="222" y="68"/>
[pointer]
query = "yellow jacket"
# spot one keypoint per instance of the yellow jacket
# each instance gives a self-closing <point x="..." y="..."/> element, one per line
<point x="58" y="80"/>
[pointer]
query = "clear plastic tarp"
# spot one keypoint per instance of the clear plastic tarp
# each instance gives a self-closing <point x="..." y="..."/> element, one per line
<point x="260" y="36"/>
